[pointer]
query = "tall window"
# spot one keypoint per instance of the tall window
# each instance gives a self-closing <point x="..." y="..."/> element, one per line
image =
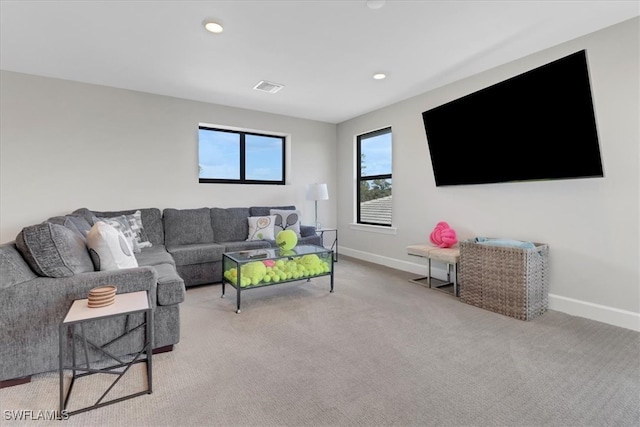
<point x="227" y="156"/>
<point x="374" y="178"/>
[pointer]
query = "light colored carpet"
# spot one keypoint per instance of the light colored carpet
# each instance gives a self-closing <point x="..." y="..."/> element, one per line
<point x="379" y="351"/>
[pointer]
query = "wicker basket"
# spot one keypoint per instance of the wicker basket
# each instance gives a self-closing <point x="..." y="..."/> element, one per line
<point x="509" y="281"/>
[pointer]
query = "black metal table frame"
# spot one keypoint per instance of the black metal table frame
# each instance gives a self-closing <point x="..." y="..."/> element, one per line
<point x="239" y="289"/>
<point x="88" y="370"/>
<point x="334" y="245"/>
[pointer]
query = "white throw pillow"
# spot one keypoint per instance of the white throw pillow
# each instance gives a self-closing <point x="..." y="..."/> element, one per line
<point x="261" y="227"/>
<point x="109" y="248"/>
<point x="286" y="220"/>
<point x="121" y="224"/>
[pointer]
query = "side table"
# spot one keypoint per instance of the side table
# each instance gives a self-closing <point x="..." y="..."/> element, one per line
<point x="79" y="313"/>
<point x="334" y="245"/>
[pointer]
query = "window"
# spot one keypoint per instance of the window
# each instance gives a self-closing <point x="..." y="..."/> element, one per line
<point x="374" y="178"/>
<point x="237" y="157"/>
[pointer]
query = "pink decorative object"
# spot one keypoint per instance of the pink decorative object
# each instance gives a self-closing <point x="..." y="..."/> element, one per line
<point x="269" y="262"/>
<point x="443" y="236"/>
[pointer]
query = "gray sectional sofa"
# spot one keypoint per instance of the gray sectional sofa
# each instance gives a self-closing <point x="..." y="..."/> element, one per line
<point x="186" y="250"/>
<point x="197" y="238"/>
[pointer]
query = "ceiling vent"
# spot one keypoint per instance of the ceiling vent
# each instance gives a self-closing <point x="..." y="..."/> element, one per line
<point x="269" y="87"/>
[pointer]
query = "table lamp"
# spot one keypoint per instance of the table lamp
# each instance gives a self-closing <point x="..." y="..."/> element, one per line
<point x="317" y="192"/>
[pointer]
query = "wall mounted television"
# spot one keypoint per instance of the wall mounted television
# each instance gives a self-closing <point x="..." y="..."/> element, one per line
<point x="539" y="125"/>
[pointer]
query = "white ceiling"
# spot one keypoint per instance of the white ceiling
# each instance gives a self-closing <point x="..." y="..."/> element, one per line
<point x="323" y="52"/>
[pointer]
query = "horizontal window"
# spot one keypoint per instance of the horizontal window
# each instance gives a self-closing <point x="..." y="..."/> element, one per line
<point x="237" y="157"/>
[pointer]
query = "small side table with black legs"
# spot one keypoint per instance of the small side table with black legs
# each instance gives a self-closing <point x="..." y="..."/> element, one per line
<point x="79" y="313"/>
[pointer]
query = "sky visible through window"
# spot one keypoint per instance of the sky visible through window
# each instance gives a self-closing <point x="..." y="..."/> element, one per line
<point x="377" y="155"/>
<point x="264" y="157"/>
<point x="219" y="156"/>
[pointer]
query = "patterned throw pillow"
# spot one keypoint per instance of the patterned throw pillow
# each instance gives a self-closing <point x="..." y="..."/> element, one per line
<point x="135" y="222"/>
<point x="131" y="227"/>
<point x="261" y="227"/>
<point x="286" y="220"/>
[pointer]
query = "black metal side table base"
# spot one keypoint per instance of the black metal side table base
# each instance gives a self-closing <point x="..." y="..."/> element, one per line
<point x="76" y="316"/>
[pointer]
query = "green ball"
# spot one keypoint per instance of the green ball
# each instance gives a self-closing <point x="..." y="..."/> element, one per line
<point x="286" y="239"/>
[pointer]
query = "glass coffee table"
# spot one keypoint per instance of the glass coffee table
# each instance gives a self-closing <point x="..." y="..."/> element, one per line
<point x="257" y="268"/>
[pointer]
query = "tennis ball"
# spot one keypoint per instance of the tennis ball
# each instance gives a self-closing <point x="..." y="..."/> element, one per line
<point x="286" y="239"/>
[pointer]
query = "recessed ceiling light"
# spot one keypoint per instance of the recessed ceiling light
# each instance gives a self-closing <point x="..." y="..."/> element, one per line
<point x="375" y="4"/>
<point x="379" y="76"/>
<point x="213" y="27"/>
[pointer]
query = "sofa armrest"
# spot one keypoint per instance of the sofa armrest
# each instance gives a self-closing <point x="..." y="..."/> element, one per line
<point x="307" y="230"/>
<point x="78" y="286"/>
<point x="31" y="312"/>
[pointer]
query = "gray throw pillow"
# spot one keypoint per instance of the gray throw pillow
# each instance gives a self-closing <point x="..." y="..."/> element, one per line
<point x="76" y="223"/>
<point x="52" y="250"/>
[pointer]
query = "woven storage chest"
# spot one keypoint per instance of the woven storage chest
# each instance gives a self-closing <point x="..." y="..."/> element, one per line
<point x="509" y="281"/>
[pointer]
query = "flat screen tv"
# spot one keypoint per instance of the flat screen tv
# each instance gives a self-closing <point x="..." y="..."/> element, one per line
<point x="539" y="125"/>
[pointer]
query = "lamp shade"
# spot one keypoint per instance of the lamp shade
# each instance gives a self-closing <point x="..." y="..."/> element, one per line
<point x="317" y="192"/>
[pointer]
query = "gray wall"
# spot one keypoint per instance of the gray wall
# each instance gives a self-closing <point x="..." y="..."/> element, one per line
<point x="67" y="145"/>
<point x="591" y="225"/>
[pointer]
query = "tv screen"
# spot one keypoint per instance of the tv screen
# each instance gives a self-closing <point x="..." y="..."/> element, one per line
<point x="539" y="125"/>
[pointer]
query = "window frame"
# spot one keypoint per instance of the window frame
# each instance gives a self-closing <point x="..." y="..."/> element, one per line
<point x="242" y="148"/>
<point x="360" y="178"/>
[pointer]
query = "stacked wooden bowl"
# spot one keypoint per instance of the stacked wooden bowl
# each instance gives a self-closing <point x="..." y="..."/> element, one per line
<point x="102" y="296"/>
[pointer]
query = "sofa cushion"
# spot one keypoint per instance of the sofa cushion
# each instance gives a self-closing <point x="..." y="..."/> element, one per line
<point x="151" y="221"/>
<point x="266" y="210"/>
<point x="13" y="266"/>
<point x="196" y="254"/>
<point x="109" y="248"/>
<point x="156" y="254"/>
<point x="261" y="227"/>
<point x="307" y="231"/>
<point x="170" y="286"/>
<point x="230" y="224"/>
<point x="247" y="245"/>
<point x="187" y="226"/>
<point x="53" y="250"/>
<point x="286" y="220"/>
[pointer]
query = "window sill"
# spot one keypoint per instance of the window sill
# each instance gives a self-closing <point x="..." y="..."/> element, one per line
<point x="373" y="228"/>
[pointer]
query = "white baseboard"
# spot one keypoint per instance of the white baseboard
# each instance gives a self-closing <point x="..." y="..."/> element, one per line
<point x="419" y="268"/>
<point x="601" y="313"/>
